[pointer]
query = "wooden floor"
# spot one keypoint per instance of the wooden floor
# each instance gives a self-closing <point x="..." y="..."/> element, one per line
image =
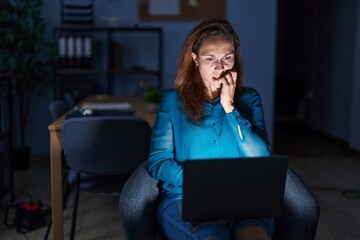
<point x="325" y="164"/>
<point x="328" y="167"/>
<point x="98" y="215"/>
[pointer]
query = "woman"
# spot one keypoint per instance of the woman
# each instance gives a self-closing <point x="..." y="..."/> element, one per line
<point x="209" y="114"/>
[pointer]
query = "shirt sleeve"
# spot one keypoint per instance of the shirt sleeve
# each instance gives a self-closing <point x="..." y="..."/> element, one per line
<point x="161" y="163"/>
<point x="248" y="126"/>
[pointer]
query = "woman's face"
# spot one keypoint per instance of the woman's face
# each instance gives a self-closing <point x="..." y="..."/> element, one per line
<point x="215" y="56"/>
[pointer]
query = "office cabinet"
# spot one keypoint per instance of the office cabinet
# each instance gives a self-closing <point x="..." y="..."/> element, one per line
<point x="74" y="63"/>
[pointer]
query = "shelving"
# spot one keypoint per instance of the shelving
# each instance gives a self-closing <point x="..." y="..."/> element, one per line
<point x="108" y="37"/>
<point x="77" y="12"/>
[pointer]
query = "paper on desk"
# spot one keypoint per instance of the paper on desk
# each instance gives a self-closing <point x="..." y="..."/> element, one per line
<point x="107" y="106"/>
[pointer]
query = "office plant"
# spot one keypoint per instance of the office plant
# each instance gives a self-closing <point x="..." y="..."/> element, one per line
<point x="153" y="98"/>
<point x="24" y="54"/>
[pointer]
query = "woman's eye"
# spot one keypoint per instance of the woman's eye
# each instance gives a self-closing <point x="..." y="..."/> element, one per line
<point x="209" y="59"/>
<point x="228" y="58"/>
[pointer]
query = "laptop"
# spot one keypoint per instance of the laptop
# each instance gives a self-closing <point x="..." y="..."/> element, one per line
<point x="235" y="189"/>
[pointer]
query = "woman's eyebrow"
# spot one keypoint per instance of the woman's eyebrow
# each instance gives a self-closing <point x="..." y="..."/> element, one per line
<point x="213" y="55"/>
<point x="231" y="52"/>
<point x="207" y="54"/>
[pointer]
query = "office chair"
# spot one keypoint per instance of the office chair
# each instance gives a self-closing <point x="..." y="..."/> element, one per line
<point x="69" y="98"/>
<point x="102" y="152"/>
<point x="57" y="108"/>
<point x="141" y="194"/>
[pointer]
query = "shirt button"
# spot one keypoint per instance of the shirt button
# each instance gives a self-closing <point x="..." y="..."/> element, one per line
<point x="214" y="123"/>
<point x="215" y="141"/>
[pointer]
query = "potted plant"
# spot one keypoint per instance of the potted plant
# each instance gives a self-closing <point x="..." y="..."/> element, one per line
<point x="23" y="53"/>
<point x="153" y="98"/>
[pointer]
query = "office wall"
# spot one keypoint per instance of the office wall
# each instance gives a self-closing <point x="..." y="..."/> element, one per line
<point x="255" y="22"/>
<point x="355" y="109"/>
<point x="334" y="72"/>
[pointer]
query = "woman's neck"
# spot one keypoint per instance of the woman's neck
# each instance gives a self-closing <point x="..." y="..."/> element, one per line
<point x="211" y="95"/>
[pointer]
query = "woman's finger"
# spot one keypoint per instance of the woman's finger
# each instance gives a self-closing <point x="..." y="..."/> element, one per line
<point x="234" y="77"/>
<point x="230" y="79"/>
<point x="223" y="80"/>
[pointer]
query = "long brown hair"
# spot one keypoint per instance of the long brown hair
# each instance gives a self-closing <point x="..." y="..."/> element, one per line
<point x="188" y="80"/>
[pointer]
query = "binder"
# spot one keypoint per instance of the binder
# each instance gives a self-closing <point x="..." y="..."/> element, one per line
<point x="79" y="52"/>
<point x="87" y="51"/>
<point x="62" y="51"/>
<point x="70" y="51"/>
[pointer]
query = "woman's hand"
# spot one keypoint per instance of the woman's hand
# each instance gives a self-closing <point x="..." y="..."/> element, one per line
<point x="228" y="80"/>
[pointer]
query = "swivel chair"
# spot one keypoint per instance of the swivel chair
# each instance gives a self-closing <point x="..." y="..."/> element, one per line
<point x="140" y="197"/>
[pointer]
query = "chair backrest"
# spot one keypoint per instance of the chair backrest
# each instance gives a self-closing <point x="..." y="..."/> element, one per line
<point x="138" y="204"/>
<point x="105" y="145"/>
<point x="57" y="108"/>
<point x="69" y="98"/>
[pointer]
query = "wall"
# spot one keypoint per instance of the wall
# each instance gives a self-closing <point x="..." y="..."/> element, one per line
<point x="255" y="22"/>
<point x="355" y="109"/>
<point x="293" y="59"/>
<point x="333" y="69"/>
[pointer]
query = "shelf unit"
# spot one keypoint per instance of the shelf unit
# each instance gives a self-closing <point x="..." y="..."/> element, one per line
<point x="107" y="71"/>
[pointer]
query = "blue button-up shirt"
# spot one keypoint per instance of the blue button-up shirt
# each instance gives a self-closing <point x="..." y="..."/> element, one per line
<point x="175" y="138"/>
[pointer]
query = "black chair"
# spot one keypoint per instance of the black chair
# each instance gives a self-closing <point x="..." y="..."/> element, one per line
<point x="57" y="108"/>
<point x="102" y="152"/>
<point x="69" y="98"/>
<point x="140" y="197"/>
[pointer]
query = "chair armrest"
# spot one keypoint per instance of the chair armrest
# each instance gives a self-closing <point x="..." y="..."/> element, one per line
<point x="138" y="205"/>
<point x="301" y="211"/>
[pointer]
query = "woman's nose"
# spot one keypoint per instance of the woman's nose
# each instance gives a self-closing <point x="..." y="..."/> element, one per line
<point x="219" y="64"/>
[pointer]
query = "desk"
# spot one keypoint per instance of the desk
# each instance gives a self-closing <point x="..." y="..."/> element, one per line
<point x="55" y="153"/>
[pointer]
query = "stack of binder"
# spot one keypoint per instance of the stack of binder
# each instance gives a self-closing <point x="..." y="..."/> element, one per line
<point x="77" y="11"/>
<point x="75" y="51"/>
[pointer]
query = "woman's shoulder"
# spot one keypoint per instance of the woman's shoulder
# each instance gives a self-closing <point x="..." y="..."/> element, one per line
<point x="249" y="93"/>
<point x="249" y="102"/>
<point x="170" y="92"/>
<point x="170" y="101"/>
<point x="170" y="95"/>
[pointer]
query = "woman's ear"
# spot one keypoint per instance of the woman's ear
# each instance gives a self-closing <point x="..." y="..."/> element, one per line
<point x="194" y="57"/>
